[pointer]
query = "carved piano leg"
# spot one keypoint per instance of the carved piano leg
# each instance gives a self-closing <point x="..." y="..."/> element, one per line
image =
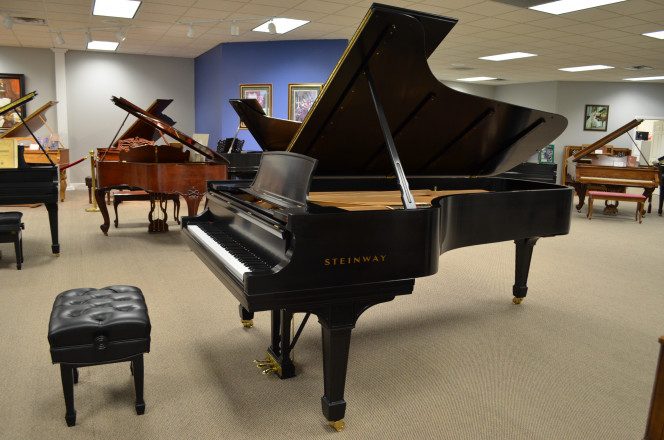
<point x="101" y="204"/>
<point x="193" y="199"/>
<point x="524" y="253"/>
<point x="581" y="192"/>
<point x="246" y="317"/>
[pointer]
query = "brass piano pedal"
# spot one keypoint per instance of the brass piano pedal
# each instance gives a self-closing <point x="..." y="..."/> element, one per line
<point x="270" y="370"/>
<point x="262" y="364"/>
<point x="247" y="323"/>
<point x="338" y="425"/>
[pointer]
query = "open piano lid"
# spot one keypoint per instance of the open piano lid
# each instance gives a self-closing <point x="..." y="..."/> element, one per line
<point x="35" y="119"/>
<point x="436" y="130"/>
<point x="141" y="130"/>
<point x="163" y="127"/>
<point x="271" y="134"/>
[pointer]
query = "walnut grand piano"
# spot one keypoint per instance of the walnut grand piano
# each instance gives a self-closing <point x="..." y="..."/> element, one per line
<point x="370" y="192"/>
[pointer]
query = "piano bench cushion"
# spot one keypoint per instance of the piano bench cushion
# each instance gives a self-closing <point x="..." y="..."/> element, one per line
<point x="616" y="196"/>
<point x="97" y="326"/>
<point x="10" y="221"/>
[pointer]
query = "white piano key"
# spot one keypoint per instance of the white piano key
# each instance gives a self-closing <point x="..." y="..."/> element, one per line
<point x="236" y="267"/>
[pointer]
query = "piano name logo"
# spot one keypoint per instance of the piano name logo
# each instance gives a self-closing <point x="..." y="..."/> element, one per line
<point x="361" y="259"/>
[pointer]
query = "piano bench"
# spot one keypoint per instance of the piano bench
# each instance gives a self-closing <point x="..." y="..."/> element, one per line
<point x="616" y="197"/>
<point x="10" y="232"/>
<point x="99" y="326"/>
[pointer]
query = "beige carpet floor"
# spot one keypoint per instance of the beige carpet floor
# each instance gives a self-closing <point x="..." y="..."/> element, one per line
<point x="454" y="360"/>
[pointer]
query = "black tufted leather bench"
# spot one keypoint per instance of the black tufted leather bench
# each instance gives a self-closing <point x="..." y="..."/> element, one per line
<point x="99" y="326"/>
<point x="10" y="231"/>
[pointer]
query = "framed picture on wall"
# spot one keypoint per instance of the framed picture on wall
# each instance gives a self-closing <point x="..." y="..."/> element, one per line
<point x="596" y="117"/>
<point x="261" y="93"/>
<point x="301" y="98"/>
<point x="546" y="154"/>
<point x="12" y="87"/>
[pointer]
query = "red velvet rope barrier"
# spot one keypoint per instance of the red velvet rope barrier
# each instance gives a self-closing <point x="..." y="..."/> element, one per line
<point x="73" y="163"/>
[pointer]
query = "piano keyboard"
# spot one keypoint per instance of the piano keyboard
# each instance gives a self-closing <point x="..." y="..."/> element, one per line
<point x="235" y="255"/>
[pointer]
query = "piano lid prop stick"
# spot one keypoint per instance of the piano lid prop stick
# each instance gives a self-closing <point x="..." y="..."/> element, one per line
<point x="94" y="208"/>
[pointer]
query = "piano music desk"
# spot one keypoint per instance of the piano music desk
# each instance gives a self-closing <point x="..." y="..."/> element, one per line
<point x="59" y="157"/>
<point x="617" y="197"/>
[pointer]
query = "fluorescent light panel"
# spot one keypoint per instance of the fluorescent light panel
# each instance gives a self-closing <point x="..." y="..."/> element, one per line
<point x="508" y="56"/>
<point x="282" y="25"/>
<point x="116" y="8"/>
<point x="477" y="78"/>
<point x="565" y="6"/>
<point x="658" y="34"/>
<point x="103" y="45"/>
<point x="645" y="78"/>
<point x="584" y="68"/>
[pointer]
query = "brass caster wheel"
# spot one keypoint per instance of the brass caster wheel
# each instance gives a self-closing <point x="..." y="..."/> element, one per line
<point x="247" y="323"/>
<point x="338" y="425"/>
<point x="516" y="300"/>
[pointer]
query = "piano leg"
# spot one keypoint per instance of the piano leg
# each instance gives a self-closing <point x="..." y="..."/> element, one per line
<point x="336" y="346"/>
<point x="52" y="209"/>
<point x="101" y="204"/>
<point x="279" y="349"/>
<point x="524" y="253"/>
<point x="581" y="192"/>
<point x="246" y="317"/>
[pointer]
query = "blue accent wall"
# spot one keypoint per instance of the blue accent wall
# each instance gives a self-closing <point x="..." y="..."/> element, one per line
<point x="220" y="71"/>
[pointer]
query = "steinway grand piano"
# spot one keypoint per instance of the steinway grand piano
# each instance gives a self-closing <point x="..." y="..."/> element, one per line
<point x="380" y="179"/>
<point x="158" y="170"/>
<point x="28" y="183"/>
<point x="613" y="178"/>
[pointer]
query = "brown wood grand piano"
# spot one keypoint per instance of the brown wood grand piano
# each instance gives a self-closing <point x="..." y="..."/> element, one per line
<point x="158" y="170"/>
<point x="28" y="183"/>
<point x="379" y="180"/>
<point x="611" y="178"/>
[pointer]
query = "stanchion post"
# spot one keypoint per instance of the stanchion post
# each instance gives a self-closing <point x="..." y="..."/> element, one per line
<point x="94" y="208"/>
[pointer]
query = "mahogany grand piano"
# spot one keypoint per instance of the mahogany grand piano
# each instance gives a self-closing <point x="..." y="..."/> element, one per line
<point x="28" y="183"/>
<point x="158" y="170"/>
<point x="611" y="178"/>
<point x="371" y="190"/>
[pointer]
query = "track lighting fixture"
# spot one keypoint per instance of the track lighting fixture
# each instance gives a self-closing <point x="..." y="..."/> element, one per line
<point x="8" y="23"/>
<point x="191" y="33"/>
<point x="88" y="37"/>
<point x="235" y="30"/>
<point x="119" y="35"/>
<point x="271" y="28"/>
<point x="59" y="39"/>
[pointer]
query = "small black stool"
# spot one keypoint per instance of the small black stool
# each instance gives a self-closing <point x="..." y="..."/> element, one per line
<point x="10" y="231"/>
<point x="99" y="326"/>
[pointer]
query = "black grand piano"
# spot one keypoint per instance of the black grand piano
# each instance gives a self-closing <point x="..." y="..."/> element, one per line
<point x="379" y="180"/>
<point x="28" y="183"/>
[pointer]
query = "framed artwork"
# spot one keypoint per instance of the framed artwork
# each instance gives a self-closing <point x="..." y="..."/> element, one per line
<point x="301" y="98"/>
<point x="260" y="92"/>
<point x="546" y="154"/>
<point x="596" y="117"/>
<point x="12" y="87"/>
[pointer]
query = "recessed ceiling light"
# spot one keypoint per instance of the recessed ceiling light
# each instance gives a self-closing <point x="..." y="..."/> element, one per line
<point x="645" y="78"/>
<point x="116" y="8"/>
<point x="281" y="25"/>
<point x="508" y="56"/>
<point x="103" y="45"/>
<point x="658" y="34"/>
<point x="565" y="6"/>
<point x="584" y="68"/>
<point x="477" y="78"/>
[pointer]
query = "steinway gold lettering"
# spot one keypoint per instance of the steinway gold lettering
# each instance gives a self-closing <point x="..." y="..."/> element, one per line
<point x="361" y="259"/>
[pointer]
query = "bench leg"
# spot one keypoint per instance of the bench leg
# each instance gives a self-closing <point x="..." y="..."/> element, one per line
<point x="137" y="371"/>
<point x="18" y="249"/>
<point x="590" y="208"/>
<point x="639" y="210"/>
<point x="67" y="375"/>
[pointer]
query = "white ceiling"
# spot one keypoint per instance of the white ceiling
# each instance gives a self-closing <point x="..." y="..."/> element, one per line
<point x="609" y="35"/>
